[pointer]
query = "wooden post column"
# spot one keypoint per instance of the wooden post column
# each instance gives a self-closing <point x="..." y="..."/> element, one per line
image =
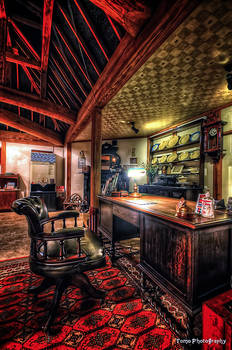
<point x="217" y="179"/>
<point x="3" y="157"/>
<point x="69" y="172"/>
<point x="95" y="175"/>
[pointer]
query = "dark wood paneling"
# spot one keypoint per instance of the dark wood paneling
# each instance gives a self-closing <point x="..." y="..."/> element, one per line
<point x="106" y="216"/>
<point x="126" y="214"/>
<point x="165" y="249"/>
<point x="213" y="257"/>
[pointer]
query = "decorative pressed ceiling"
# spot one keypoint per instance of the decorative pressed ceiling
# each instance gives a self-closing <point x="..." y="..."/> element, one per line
<point x="151" y="63"/>
<point x="183" y="78"/>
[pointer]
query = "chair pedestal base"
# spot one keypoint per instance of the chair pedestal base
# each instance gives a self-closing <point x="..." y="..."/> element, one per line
<point x="79" y="280"/>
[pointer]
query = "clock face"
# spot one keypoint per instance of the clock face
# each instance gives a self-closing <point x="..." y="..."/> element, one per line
<point x="213" y="132"/>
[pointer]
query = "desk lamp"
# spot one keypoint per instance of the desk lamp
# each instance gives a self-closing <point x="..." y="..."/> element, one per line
<point x="136" y="173"/>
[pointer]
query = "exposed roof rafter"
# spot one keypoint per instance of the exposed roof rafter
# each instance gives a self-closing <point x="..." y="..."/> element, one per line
<point x="66" y="62"/>
<point x="114" y="28"/>
<point x="10" y="57"/>
<point x="34" y="129"/>
<point x="130" y="14"/>
<point x="36" y="104"/>
<point x="130" y="55"/>
<point x="19" y="137"/>
<point x="71" y="51"/>
<point x="91" y="27"/>
<point x="63" y="86"/>
<point x="80" y="41"/>
<point x="33" y="83"/>
<point x="24" y="39"/>
<point x="46" y="36"/>
<point x="66" y="79"/>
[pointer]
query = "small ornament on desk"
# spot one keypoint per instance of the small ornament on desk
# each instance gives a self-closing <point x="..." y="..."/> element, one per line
<point x="180" y="204"/>
<point x="182" y="210"/>
<point x="123" y="193"/>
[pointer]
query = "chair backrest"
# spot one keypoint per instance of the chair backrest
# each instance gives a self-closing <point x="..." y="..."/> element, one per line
<point x="35" y="211"/>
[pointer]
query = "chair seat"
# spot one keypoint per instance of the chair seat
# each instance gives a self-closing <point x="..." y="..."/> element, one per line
<point x="60" y="256"/>
<point x="92" y="256"/>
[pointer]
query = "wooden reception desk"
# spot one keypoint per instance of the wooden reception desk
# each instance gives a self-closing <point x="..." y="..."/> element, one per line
<point x="191" y="259"/>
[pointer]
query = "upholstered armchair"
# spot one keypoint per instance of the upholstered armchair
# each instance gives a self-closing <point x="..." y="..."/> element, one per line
<point x="62" y="255"/>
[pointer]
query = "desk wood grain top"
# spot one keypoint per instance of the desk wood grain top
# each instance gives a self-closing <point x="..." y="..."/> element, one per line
<point x="165" y="208"/>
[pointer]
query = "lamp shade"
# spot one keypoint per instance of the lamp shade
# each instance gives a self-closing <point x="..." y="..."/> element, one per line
<point x="136" y="172"/>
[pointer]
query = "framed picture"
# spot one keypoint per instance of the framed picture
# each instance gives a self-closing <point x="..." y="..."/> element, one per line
<point x="133" y="160"/>
<point x="177" y="169"/>
<point x="10" y="185"/>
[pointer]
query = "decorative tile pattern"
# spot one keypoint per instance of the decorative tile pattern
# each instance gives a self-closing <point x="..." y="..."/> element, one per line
<point x="183" y="78"/>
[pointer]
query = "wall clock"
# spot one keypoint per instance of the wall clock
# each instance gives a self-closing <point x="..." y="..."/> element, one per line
<point x="213" y="135"/>
<point x="213" y="132"/>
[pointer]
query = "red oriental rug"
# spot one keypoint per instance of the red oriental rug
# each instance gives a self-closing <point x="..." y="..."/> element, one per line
<point x="123" y="321"/>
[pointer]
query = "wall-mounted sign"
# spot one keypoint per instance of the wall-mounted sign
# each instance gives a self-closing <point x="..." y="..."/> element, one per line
<point x="81" y="160"/>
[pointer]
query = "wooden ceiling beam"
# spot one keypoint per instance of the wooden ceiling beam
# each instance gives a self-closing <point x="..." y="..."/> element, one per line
<point x="91" y="27"/>
<point x="10" y="57"/>
<point x="80" y="40"/>
<point x="34" y="9"/>
<point x="3" y="41"/>
<point x="130" y="55"/>
<point x="31" y="128"/>
<point x="19" y="137"/>
<point x="67" y="64"/>
<point x="71" y="51"/>
<point x="2" y="10"/>
<point x="66" y="80"/>
<point x="36" y="104"/>
<point x="130" y="14"/>
<point x="46" y="36"/>
<point x="55" y="93"/>
<point x="33" y="83"/>
<point x="63" y="87"/>
<point x="114" y="28"/>
<point x="27" y="22"/>
<point x="24" y="39"/>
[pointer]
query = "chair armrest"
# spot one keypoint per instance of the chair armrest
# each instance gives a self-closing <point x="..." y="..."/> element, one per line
<point x="60" y="235"/>
<point x="65" y="215"/>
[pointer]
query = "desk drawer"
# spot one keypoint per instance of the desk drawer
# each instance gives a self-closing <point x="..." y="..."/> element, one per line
<point x="128" y="215"/>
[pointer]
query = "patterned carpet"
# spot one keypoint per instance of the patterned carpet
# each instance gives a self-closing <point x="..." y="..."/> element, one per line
<point x="123" y="321"/>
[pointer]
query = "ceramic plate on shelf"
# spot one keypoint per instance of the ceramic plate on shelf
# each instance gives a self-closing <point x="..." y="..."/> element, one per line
<point x="154" y="160"/>
<point x="163" y="159"/>
<point x="172" y="157"/>
<point x="194" y="170"/>
<point x="163" y="145"/>
<point x="183" y="156"/>
<point x="184" y="139"/>
<point x="173" y="141"/>
<point x="195" y="154"/>
<point x="155" y="147"/>
<point x="195" y="136"/>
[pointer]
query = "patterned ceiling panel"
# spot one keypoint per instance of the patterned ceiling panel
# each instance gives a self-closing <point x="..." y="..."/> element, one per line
<point x="183" y="78"/>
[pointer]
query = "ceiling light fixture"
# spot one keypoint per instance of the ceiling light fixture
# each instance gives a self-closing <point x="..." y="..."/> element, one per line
<point x="228" y="68"/>
<point x="133" y="127"/>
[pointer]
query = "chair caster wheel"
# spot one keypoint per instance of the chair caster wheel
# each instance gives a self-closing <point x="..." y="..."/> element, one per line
<point x="100" y="294"/>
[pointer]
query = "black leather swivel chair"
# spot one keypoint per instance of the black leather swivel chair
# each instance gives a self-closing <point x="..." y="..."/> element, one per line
<point x="61" y="256"/>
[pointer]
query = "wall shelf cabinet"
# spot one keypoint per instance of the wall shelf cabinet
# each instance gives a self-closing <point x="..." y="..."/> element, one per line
<point x="9" y="190"/>
<point x="178" y="159"/>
